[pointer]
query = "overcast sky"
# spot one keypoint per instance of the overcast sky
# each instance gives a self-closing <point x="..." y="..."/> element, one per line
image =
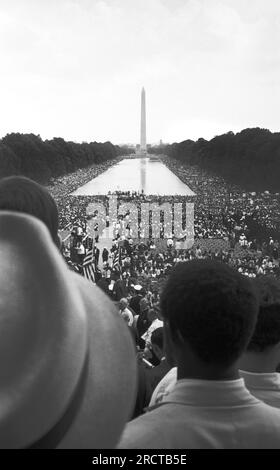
<point x="75" y="68"/>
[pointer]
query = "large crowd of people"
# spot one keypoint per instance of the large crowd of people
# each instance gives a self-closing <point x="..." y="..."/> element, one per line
<point x="230" y="225"/>
<point x="189" y="357"/>
<point x="62" y="187"/>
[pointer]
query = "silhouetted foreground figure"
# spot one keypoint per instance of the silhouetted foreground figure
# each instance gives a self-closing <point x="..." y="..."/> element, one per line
<point x="209" y="313"/>
<point x="24" y="195"/>
<point x="67" y="361"/>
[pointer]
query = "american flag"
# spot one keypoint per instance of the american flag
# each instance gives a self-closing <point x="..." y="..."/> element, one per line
<point x="88" y="266"/>
<point x="117" y="259"/>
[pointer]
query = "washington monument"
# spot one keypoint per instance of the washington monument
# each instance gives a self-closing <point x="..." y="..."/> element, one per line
<point x="143" y="143"/>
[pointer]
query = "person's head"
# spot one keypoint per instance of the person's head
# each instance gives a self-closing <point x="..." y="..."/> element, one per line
<point x="209" y="313"/>
<point x="123" y="303"/>
<point x="144" y="305"/>
<point x="21" y="194"/>
<point x="157" y="343"/>
<point x="263" y="350"/>
<point x="152" y="314"/>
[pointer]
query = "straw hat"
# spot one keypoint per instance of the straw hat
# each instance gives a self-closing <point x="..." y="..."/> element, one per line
<point x="66" y="357"/>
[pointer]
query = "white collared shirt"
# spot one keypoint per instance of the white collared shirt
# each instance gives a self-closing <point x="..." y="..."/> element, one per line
<point x="164" y="387"/>
<point x="204" y="414"/>
<point x="265" y="387"/>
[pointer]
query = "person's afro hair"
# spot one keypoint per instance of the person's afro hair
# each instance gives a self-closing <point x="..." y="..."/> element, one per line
<point x="212" y="307"/>
<point x="21" y="194"/>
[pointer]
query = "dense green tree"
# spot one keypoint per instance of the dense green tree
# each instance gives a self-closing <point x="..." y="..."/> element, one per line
<point x="29" y="155"/>
<point x="250" y="158"/>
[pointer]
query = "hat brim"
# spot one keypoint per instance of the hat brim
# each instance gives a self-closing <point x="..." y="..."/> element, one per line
<point x="65" y="324"/>
<point x="111" y="382"/>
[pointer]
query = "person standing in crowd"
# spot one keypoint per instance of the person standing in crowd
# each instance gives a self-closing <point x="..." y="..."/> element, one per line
<point x="209" y="313"/>
<point x="136" y="299"/>
<point x="143" y="322"/>
<point x="155" y="374"/>
<point x="155" y="322"/>
<point x="105" y="255"/>
<point x="96" y="232"/>
<point x="119" y="290"/>
<point x="259" y="363"/>
<point x="96" y="256"/>
<point x="79" y="233"/>
<point x="81" y="251"/>
<point x="125" y="313"/>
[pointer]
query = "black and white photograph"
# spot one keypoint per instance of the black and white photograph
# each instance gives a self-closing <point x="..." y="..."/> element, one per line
<point x="140" y="228"/>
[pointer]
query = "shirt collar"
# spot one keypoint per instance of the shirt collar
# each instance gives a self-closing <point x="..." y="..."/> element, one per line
<point x="211" y="393"/>
<point x="268" y="381"/>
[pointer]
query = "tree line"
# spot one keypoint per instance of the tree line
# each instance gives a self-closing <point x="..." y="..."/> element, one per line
<point x="29" y="155"/>
<point x="250" y="158"/>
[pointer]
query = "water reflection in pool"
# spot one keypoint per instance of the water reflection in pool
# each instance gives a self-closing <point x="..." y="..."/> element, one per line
<point x="137" y="174"/>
